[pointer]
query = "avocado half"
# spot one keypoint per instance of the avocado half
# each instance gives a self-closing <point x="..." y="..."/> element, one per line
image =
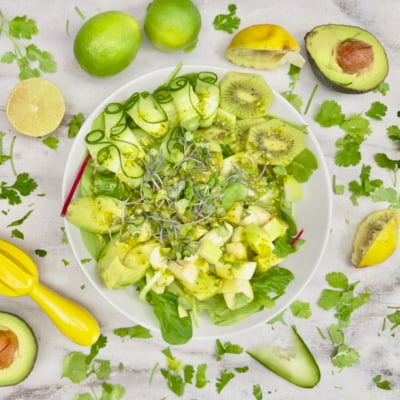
<point x="346" y="58"/>
<point x="18" y="349"/>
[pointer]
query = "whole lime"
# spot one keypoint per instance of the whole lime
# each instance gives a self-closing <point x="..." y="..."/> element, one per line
<point x="107" y="43"/>
<point x="172" y="25"/>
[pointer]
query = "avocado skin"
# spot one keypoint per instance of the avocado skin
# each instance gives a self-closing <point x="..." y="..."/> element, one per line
<point x="325" y="79"/>
<point x="27" y="332"/>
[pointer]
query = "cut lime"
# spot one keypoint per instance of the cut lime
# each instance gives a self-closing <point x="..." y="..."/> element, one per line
<point x="35" y="107"/>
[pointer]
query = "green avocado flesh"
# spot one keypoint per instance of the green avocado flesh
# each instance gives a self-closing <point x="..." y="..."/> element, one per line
<point x="323" y="44"/>
<point x="18" y="349"/>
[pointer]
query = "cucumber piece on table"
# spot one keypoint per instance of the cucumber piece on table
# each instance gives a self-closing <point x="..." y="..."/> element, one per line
<point x="296" y="364"/>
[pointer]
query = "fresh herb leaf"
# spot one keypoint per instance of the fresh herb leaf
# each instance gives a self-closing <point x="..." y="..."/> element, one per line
<point x="303" y="166"/>
<point x="257" y="392"/>
<point x="75" y="124"/>
<point x="389" y="195"/>
<point x="377" y="110"/>
<point x="365" y="187"/>
<point x="301" y="309"/>
<point x="393" y="132"/>
<point x="224" y="378"/>
<point x="31" y="60"/>
<point x="201" y="378"/>
<point x="41" y="252"/>
<point x="336" y="334"/>
<point x="385" y="385"/>
<point x="136" y="331"/>
<point x="382" y="88"/>
<point x="51" y="142"/>
<point x="394" y="318"/>
<point x="227" y="22"/>
<point x="20" y="221"/>
<point x="345" y="356"/>
<point x="337" y="280"/>
<point x="16" y="233"/>
<point x="24" y="185"/>
<point x="383" y="161"/>
<point x="227" y="347"/>
<point x="329" y="114"/>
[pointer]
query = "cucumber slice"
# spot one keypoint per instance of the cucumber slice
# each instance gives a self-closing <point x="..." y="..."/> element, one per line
<point x="296" y="364"/>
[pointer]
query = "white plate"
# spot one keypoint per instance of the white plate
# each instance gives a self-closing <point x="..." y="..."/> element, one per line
<point x="312" y="213"/>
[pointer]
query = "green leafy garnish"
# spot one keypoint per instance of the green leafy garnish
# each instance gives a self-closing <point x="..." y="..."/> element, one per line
<point x="382" y="88"/>
<point x="51" y="142"/>
<point x="225" y="377"/>
<point x="136" y="331"/>
<point x="329" y="114"/>
<point x="382" y="384"/>
<point x="294" y="99"/>
<point x="345" y="356"/>
<point x="389" y="195"/>
<point x="257" y="392"/>
<point x="377" y="110"/>
<point x="30" y="60"/>
<point x="41" y="252"/>
<point x="24" y="185"/>
<point x="383" y="161"/>
<point x="394" y="318"/>
<point x="393" y="132"/>
<point x="365" y="187"/>
<point x="227" y="347"/>
<point x="301" y="309"/>
<point x="75" y="124"/>
<point x="227" y="22"/>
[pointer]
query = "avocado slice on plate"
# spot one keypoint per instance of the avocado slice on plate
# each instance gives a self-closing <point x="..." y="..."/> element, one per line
<point x="346" y="58"/>
<point x="18" y="349"/>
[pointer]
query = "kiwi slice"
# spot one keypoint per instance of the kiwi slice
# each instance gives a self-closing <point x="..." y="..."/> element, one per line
<point x="245" y="95"/>
<point x="274" y="142"/>
<point x="223" y="129"/>
<point x="242" y="128"/>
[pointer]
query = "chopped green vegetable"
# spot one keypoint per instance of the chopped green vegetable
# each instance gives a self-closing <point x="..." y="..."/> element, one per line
<point x="30" y="60"/>
<point x="227" y="22"/>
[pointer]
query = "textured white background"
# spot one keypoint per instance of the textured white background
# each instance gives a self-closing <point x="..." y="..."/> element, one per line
<point x="379" y="349"/>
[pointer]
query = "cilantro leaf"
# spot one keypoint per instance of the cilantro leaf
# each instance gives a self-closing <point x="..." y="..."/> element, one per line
<point x="227" y="22"/>
<point x="337" y="280"/>
<point x="345" y="356"/>
<point x="44" y="58"/>
<point x="303" y="166"/>
<point x="201" y="379"/>
<point x="393" y="132"/>
<point x="389" y="195"/>
<point x="112" y="392"/>
<point x="330" y="114"/>
<point x="22" y="27"/>
<point x="136" y="331"/>
<point x="382" y="88"/>
<point x="24" y="185"/>
<point x="75" y="124"/>
<point x="301" y="309"/>
<point x="224" y="379"/>
<point x="257" y="391"/>
<point x="348" y="153"/>
<point x="227" y="347"/>
<point x="394" y="318"/>
<point x="357" y="126"/>
<point x="377" y="110"/>
<point x="51" y="142"/>
<point x="366" y="186"/>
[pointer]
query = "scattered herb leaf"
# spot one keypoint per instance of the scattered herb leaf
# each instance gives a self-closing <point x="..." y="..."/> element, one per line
<point x="385" y="385"/>
<point x="225" y="377"/>
<point x="75" y="124"/>
<point x="227" y="22"/>
<point x="301" y="309"/>
<point x="377" y="110"/>
<point x="136" y="331"/>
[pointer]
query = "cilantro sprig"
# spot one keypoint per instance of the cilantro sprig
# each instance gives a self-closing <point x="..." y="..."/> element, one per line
<point x="24" y="185"/>
<point x="29" y="58"/>
<point x="227" y="22"/>
<point x="341" y="297"/>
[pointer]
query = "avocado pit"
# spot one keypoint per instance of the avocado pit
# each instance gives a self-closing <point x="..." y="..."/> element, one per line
<point x="18" y="349"/>
<point x="354" y="56"/>
<point x="8" y="347"/>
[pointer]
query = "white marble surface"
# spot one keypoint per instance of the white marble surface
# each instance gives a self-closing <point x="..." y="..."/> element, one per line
<point x="379" y="349"/>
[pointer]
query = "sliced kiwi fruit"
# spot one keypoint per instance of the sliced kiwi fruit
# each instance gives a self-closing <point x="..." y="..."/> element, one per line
<point x="274" y="142"/>
<point x="245" y="95"/>
<point x="242" y="128"/>
<point x="223" y="129"/>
